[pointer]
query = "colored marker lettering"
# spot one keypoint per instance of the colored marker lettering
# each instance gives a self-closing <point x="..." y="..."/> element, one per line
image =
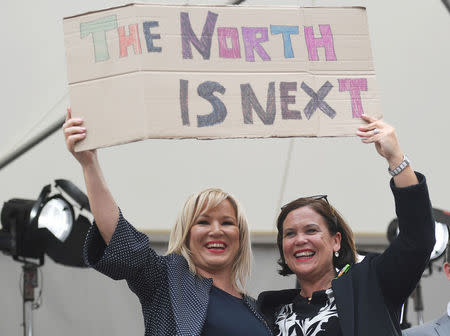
<point x="219" y="113"/>
<point x="317" y="100"/>
<point x="98" y="29"/>
<point x="253" y="43"/>
<point x="287" y="99"/>
<point x="184" y="106"/>
<point x="354" y="86"/>
<point x="150" y="37"/>
<point x="250" y="102"/>
<point x="224" y="33"/>
<point x="132" y="39"/>
<point x="188" y="36"/>
<point x="286" y="32"/>
<point x="326" y="41"/>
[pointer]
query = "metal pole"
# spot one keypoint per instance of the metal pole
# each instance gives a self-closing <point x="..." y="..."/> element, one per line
<point x="446" y="4"/>
<point x="404" y="324"/>
<point x="32" y="142"/>
<point x="418" y="303"/>
<point x="30" y="282"/>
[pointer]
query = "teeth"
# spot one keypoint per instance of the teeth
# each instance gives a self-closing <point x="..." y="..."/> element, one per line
<point x="215" y="245"/>
<point x="304" y="254"/>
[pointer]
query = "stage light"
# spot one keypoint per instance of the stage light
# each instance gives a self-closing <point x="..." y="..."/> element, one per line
<point x="46" y="226"/>
<point x="442" y="232"/>
<point x="49" y="226"/>
<point x="442" y="223"/>
<point x="56" y="217"/>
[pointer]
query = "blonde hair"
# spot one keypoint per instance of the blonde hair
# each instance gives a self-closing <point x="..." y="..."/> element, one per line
<point x="193" y="208"/>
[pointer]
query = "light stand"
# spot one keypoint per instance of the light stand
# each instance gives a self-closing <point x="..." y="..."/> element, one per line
<point x="48" y="226"/>
<point x="418" y="303"/>
<point x="404" y="324"/>
<point x="30" y="282"/>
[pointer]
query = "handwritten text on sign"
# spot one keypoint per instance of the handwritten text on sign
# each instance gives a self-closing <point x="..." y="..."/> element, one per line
<point x="252" y="60"/>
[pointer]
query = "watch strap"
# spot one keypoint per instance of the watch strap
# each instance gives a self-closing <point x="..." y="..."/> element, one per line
<point x="397" y="170"/>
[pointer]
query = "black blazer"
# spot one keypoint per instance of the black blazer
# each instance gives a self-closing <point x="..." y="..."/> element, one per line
<point x="370" y="295"/>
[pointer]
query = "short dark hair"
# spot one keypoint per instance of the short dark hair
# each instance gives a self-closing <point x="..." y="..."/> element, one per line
<point x="335" y="224"/>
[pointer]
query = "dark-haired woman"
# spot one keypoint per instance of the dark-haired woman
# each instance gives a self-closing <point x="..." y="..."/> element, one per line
<point x="337" y="295"/>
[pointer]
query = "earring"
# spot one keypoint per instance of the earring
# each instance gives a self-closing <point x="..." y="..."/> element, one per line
<point x="336" y="254"/>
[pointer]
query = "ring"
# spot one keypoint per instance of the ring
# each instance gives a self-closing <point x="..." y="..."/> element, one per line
<point x="375" y="131"/>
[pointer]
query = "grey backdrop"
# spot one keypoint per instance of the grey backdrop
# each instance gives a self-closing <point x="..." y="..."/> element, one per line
<point x="151" y="179"/>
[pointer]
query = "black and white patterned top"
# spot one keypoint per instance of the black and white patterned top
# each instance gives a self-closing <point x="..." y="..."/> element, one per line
<point x="174" y="301"/>
<point x="309" y="317"/>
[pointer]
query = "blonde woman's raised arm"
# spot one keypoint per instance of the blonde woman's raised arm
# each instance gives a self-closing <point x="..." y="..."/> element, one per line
<point x="103" y="206"/>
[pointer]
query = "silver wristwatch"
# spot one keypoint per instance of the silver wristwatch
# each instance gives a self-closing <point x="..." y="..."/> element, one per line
<point x="405" y="163"/>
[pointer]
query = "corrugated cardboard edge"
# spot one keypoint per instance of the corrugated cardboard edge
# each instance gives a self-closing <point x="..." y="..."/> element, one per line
<point x="268" y="136"/>
<point x="203" y="6"/>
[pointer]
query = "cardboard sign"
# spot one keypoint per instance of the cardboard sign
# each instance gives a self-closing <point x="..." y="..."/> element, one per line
<point x="146" y="71"/>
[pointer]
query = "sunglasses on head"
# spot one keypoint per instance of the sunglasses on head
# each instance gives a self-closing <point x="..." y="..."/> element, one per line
<point x="314" y="197"/>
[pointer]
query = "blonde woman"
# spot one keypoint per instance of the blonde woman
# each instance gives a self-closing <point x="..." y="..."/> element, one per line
<point x="198" y="287"/>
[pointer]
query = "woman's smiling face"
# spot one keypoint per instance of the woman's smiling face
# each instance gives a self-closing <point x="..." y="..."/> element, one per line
<point x="214" y="240"/>
<point x="308" y="246"/>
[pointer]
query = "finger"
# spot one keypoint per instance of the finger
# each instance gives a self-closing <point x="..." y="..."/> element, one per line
<point x="72" y="122"/>
<point x="367" y="134"/>
<point x="371" y="139"/>
<point x="74" y="130"/>
<point x="73" y="139"/>
<point x="371" y="129"/>
<point x="368" y="119"/>
<point x="69" y="113"/>
<point x="372" y="124"/>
